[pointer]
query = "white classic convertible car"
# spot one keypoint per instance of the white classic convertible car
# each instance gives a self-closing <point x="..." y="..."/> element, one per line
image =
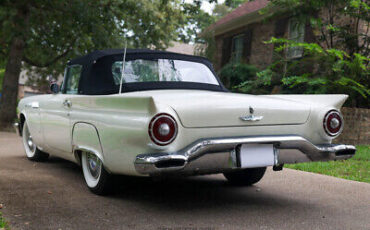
<point x="154" y="113"/>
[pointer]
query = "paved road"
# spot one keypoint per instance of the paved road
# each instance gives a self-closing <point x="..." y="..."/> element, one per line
<point x="52" y="195"/>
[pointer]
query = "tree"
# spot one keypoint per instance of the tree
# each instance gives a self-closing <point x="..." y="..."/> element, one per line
<point x="234" y="3"/>
<point x="335" y="60"/>
<point x="44" y="34"/>
<point x="220" y="10"/>
<point x="195" y="20"/>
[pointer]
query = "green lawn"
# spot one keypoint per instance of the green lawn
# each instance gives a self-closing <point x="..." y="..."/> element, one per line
<point x="3" y="223"/>
<point x="357" y="168"/>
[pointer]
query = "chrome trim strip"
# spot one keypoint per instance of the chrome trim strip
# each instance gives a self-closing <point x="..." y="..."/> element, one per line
<point x="145" y="163"/>
<point x="251" y="118"/>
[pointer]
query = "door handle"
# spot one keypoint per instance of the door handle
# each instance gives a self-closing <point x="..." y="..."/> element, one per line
<point x="35" y="105"/>
<point x="67" y="103"/>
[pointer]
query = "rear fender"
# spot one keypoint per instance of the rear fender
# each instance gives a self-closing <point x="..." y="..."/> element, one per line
<point x="85" y="137"/>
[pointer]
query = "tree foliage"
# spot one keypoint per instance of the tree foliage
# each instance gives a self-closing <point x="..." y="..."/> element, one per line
<point x="336" y="60"/>
<point x="321" y="70"/>
<point x="44" y="34"/>
<point x="195" y="20"/>
<point x="220" y="10"/>
<point x="234" y="3"/>
<point x="56" y="31"/>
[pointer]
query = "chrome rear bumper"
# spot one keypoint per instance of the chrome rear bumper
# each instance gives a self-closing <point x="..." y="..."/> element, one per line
<point x="288" y="149"/>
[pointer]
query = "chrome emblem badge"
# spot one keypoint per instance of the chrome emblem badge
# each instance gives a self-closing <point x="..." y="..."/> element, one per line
<point x="251" y="117"/>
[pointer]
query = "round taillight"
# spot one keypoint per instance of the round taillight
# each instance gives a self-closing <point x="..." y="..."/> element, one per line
<point x="162" y="129"/>
<point x="333" y="123"/>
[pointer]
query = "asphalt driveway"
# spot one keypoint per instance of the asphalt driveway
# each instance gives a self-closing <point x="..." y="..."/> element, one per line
<point x="52" y="195"/>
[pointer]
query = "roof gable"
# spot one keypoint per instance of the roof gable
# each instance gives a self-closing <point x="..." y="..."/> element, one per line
<point x="246" y="8"/>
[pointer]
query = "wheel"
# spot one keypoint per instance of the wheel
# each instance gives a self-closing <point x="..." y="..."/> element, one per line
<point x="32" y="152"/>
<point x="98" y="180"/>
<point x="245" y="177"/>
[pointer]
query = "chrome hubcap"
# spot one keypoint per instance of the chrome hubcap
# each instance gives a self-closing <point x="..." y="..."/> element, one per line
<point x="30" y="143"/>
<point x="94" y="165"/>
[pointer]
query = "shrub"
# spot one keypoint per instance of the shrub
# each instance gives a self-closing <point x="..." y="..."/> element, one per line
<point x="233" y="74"/>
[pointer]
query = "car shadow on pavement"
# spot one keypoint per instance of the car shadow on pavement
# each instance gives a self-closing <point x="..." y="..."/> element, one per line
<point x="175" y="193"/>
<point x="200" y="192"/>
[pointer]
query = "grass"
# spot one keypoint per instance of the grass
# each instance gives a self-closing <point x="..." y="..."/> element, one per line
<point x="357" y="168"/>
<point x="3" y="223"/>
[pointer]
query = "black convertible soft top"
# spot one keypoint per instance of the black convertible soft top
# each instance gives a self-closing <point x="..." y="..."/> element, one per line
<point x="95" y="80"/>
<point x="92" y="57"/>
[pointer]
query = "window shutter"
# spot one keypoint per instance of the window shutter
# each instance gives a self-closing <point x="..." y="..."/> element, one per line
<point x="226" y="51"/>
<point x="247" y="48"/>
<point x="281" y="26"/>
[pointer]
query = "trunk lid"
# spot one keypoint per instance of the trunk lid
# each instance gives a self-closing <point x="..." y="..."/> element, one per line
<point x="198" y="109"/>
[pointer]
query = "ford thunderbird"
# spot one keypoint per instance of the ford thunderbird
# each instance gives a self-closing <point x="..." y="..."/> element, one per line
<point x="154" y="113"/>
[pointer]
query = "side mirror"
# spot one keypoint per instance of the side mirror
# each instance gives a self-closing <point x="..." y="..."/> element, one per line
<point x="54" y="88"/>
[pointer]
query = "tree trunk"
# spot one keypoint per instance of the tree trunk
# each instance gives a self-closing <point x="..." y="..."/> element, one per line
<point x="8" y="101"/>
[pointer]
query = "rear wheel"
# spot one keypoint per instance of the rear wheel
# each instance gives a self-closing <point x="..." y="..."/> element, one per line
<point x="245" y="177"/>
<point x="32" y="152"/>
<point x="98" y="180"/>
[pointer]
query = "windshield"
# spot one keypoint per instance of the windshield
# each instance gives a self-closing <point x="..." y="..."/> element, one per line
<point x="162" y="70"/>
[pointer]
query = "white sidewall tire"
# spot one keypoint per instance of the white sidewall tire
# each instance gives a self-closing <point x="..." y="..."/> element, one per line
<point x="90" y="180"/>
<point x="25" y="134"/>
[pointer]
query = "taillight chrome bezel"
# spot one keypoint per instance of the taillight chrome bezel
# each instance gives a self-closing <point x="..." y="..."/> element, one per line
<point x="327" y="129"/>
<point x="152" y="133"/>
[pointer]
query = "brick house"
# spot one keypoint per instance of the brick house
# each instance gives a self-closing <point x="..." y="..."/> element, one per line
<point x="240" y="35"/>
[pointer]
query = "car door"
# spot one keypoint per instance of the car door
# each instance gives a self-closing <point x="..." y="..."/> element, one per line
<point x="32" y="109"/>
<point x="56" y="113"/>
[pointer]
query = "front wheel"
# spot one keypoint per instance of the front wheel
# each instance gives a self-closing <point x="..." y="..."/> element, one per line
<point x="98" y="180"/>
<point x="245" y="177"/>
<point x="32" y="152"/>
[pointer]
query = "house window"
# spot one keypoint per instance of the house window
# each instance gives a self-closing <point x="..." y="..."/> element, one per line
<point x="237" y="48"/>
<point x="296" y="34"/>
